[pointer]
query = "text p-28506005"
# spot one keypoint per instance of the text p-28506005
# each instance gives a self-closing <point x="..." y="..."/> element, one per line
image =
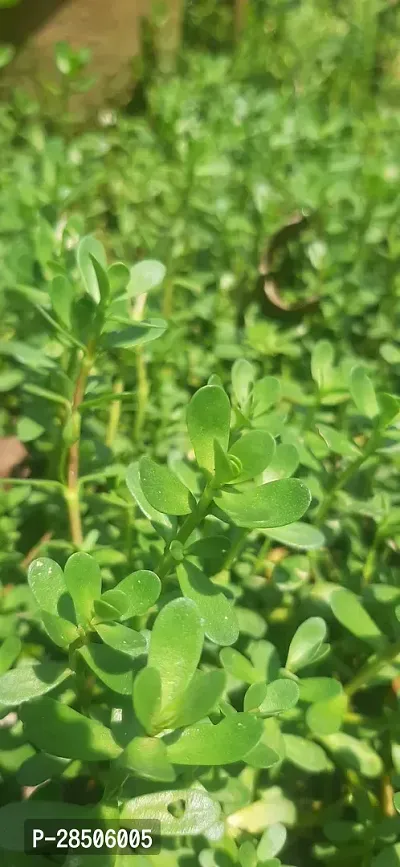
<point x="84" y="836"/>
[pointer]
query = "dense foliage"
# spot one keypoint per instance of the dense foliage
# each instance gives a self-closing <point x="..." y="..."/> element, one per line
<point x="200" y="604"/>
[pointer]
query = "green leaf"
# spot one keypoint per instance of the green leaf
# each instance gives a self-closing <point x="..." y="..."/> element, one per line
<point x="389" y="407"/>
<point x="90" y="248"/>
<point x="349" y="611"/>
<point x="217" y="613"/>
<point x="243" y="376"/>
<point x="145" y="276"/>
<point x="272" y="842"/>
<point x="200" y="697"/>
<point x="284" y="463"/>
<point x="9" y="379"/>
<point x="62" y="632"/>
<point x="306" y="755"/>
<point x="162" y="488"/>
<point x="147" y="698"/>
<point x="200" y="812"/>
<point x="238" y="666"/>
<point x="396" y="801"/>
<point x="266" y="393"/>
<point x="354" y="754"/>
<point x="29" y="681"/>
<point x="322" y="363"/>
<point x="122" y="638"/>
<point x="306" y="643"/>
<point x="225" y="469"/>
<point x="268" y="751"/>
<point x="116" y="599"/>
<point x="363" y="392"/>
<point x="175" y="647"/>
<point x="13" y="818"/>
<point x="250" y="622"/>
<point x="211" y="551"/>
<point x="39" y="768"/>
<point x="9" y="652"/>
<point x="389" y="856"/>
<point x="118" y="275"/>
<point x="62" y="295"/>
<point x="142" y="589"/>
<point x="162" y="522"/>
<point x="208" y="419"/>
<point x="28" y="429"/>
<point x="254" y="696"/>
<point x="221" y="744"/>
<point x="314" y="689"/>
<point x="64" y="58"/>
<point x="247" y="855"/>
<point x="102" y="280"/>
<point x="133" y="335"/>
<point x="25" y="354"/>
<point x="62" y="731"/>
<point x="46" y="394"/>
<point x="298" y="535"/>
<point x="326" y="717"/>
<point x="337" y="442"/>
<point x="82" y="576"/>
<point x="147" y="757"/>
<point x="280" y="696"/>
<point x="105" y="611"/>
<point x="272" y="505"/>
<point x="255" y="450"/>
<point x="7" y="52"/>
<point x="113" y="668"/>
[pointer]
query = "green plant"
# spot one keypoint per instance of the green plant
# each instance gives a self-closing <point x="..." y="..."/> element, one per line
<point x="197" y="649"/>
<point x="158" y="668"/>
<point x="144" y="692"/>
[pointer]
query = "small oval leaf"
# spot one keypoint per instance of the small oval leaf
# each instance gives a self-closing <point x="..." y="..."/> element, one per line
<point x="201" y="812"/>
<point x="145" y="276"/>
<point x="175" y="647"/>
<point x="306" y="643"/>
<point x="62" y="731"/>
<point x="350" y="612"/>
<point x="83" y="580"/>
<point x="217" y="613"/>
<point x="142" y="589"/>
<point x="271" y="505"/>
<point x="208" y="419"/>
<point x="255" y="450"/>
<point x="162" y="488"/>
<point x="46" y="580"/>
<point x="29" y="681"/>
<point x="221" y="744"/>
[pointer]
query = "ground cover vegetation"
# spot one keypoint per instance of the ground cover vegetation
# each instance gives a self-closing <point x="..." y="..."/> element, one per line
<point x="199" y="507"/>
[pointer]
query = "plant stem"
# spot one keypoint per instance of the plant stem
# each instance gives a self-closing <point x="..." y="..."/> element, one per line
<point x="35" y="551"/>
<point x="72" y="487"/>
<point x="372" y="668"/>
<point x="129" y="516"/>
<point x="261" y="554"/>
<point x="370" y="563"/>
<point x="240" y="538"/>
<point x="241" y="9"/>
<point x="142" y="394"/>
<point x="142" y="383"/>
<point x="192" y="521"/>
<point x="115" y="414"/>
